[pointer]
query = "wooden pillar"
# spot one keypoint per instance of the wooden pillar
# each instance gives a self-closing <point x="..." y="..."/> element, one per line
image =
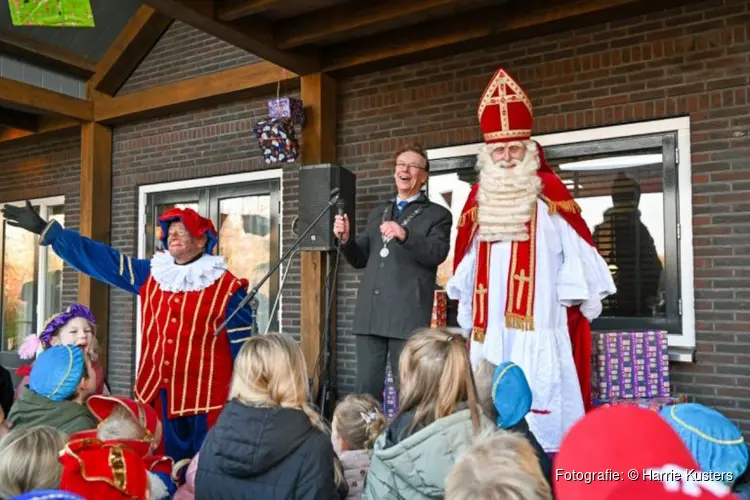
<point x="95" y="208"/>
<point x="318" y="146"/>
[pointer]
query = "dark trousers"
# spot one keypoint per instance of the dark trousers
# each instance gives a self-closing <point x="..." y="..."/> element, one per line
<point x="372" y="353"/>
<point x="182" y="436"/>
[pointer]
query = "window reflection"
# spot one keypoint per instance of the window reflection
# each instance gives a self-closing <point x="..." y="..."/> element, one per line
<point x="19" y="285"/>
<point x="622" y="202"/>
<point x="245" y="242"/>
<point x="53" y="282"/>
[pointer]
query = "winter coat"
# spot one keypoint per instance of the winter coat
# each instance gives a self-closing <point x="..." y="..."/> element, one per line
<point x="272" y="453"/>
<point x="66" y="416"/>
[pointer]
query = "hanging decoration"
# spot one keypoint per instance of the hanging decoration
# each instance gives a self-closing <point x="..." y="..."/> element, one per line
<point x="277" y="140"/>
<point x="52" y="13"/>
<point x="276" y="134"/>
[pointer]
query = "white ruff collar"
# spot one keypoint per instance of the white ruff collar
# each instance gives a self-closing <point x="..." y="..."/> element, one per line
<point x="192" y="277"/>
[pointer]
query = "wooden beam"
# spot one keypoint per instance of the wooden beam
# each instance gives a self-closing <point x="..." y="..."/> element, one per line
<point x="496" y="23"/>
<point x="254" y="37"/>
<point x="47" y="127"/>
<point x="318" y="92"/>
<point x="231" y="10"/>
<point x="133" y="43"/>
<point x="193" y="93"/>
<point x="36" y="99"/>
<point x="34" y="51"/>
<point x="19" y="120"/>
<point x="95" y="209"/>
<point x="342" y="22"/>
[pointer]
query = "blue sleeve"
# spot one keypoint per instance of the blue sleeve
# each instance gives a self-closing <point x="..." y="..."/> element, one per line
<point x="95" y="259"/>
<point x="240" y="327"/>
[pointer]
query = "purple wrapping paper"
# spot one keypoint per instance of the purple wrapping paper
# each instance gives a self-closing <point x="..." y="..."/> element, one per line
<point x="630" y="365"/>
<point x="653" y="404"/>
<point x="390" y="398"/>
<point x="287" y="107"/>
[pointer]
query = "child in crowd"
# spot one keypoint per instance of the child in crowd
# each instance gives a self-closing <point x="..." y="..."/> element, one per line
<point x="123" y="419"/>
<point x="60" y="383"/>
<point x="715" y="442"/>
<point x="438" y="419"/>
<point x="357" y="422"/>
<point x="502" y="466"/>
<point x="186" y="491"/>
<point x="28" y="460"/>
<point x="48" y="495"/>
<point x="98" y="470"/>
<point x="268" y="441"/>
<point x="505" y="397"/>
<point x="74" y="326"/>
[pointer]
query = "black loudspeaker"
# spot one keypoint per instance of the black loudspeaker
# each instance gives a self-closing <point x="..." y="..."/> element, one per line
<point x="315" y="185"/>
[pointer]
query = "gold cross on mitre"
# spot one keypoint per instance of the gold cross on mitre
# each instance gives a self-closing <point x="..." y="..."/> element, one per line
<point x="500" y="92"/>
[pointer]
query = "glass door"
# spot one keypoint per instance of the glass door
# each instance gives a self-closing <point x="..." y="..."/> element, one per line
<point x="246" y="217"/>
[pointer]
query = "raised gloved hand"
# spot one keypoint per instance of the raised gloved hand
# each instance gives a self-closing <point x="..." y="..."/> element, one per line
<point x="24" y="217"/>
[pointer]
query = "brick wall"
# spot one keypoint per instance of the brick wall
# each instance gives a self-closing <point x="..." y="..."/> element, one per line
<point x="42" y="169"/>
<point x="184" y="52"/>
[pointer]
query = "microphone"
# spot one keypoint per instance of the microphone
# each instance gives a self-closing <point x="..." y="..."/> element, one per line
<point x="335" y="193"/>
<point x="341" y="206"/>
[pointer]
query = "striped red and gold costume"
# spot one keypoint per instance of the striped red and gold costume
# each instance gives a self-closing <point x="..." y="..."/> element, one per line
<point x="184" y="370"/>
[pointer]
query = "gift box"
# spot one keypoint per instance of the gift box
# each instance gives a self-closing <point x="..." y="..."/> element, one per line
<point x="653" y="404"/>
<point x="277" y="140"/>
<point x="287" y="107"/>
<point x="630" y="365"/>
<point x="390" y="397"/>
<point x="439" y="310"/>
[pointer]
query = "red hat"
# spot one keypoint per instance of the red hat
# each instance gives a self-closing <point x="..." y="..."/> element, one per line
<point x="197" y="225"/>
<point x="505" y="110"/>
<point x="159" y="463"/>
<point x="671" y="490"/>
<point x="145" y="415"/>
<point x="95" y="469"/>
<point x="615" y="440"/>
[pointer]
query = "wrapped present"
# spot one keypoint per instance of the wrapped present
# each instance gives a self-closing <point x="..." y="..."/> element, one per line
<point x="439" y="309"/>
<point x="630" y="365"/>
<point x="277" y="140"/>
<point x="54" y="13"/>
<point x="390" y="396"/>
<point x="287" y="107"/>
<point x="653" y="404"/>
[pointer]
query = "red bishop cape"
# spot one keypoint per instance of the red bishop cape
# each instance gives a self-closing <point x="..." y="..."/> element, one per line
<point x="559" y="200"/>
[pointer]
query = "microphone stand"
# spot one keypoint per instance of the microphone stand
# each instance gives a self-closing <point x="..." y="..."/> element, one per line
<point x="254" y="291"/>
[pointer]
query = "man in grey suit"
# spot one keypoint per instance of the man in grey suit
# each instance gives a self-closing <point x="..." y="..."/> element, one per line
<point x="400" y="249"/>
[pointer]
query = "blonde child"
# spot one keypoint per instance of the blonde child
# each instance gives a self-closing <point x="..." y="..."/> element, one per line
<point x="29" y="460"/>
<point x="357" y="422"/>
<point x="438" y="419"/>
<point x="74" y="326"/>
<point x="268" y="441"/>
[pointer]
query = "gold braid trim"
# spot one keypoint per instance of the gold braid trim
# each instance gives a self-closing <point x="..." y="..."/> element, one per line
<point x="569" y="206"/>
<point x="470" y="214"/>
<point x="119" y="469"/>
<point x="478" y="335"/>
<point x="518" y="322"/>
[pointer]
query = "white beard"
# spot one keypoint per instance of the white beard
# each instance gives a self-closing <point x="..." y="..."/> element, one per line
<point x="507" y="196"/>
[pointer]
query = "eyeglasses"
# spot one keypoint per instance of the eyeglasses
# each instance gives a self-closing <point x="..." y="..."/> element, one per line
<point x="408" y="166"/>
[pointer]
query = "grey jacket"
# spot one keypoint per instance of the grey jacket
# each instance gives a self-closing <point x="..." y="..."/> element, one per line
<point x="396" y="292"/>
<point x="416" y="467"/>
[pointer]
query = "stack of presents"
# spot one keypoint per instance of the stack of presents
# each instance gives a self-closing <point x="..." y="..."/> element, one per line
<point x="629" y="368"/>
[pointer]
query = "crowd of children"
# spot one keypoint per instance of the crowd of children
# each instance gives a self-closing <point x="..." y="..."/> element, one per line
<point x="460" y="434"/>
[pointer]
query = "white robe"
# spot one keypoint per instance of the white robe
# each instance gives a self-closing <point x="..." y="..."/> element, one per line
<point x="569" y="271"/>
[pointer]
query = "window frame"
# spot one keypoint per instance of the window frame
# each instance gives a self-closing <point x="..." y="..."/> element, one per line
<point x="44" y="205"/>
<point x="682" y="345"/>
<point x="201" y="183"/>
